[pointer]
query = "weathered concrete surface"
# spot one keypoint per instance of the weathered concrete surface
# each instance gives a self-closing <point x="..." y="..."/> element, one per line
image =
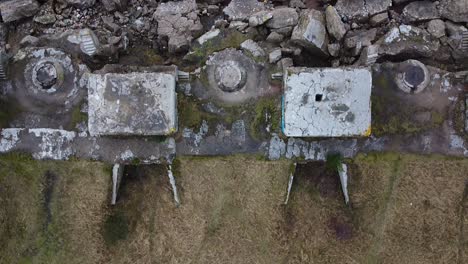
<point x="132" y="104"/>
<point x="420" y="11"/>
<point x="56" y="144"/>
<point x="327" y="102"/>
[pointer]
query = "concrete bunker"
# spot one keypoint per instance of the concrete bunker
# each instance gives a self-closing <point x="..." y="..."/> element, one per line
<point x="326" y="102"/>
<point x="133" y="103"/>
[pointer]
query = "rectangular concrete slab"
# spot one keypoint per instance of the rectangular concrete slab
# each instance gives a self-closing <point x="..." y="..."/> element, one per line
<point x="327" y="102"/>
<point x="132" y="104"/>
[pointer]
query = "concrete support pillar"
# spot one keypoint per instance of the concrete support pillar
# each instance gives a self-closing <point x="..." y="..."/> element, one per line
<point x="117" y="173"/>
<point x="290" y="183"/>
<point x="173" y="184"/>
<point x="343" y="172"/>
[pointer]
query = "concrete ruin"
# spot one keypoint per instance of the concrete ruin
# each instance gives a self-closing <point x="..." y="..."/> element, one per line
<point x="326" y="102"/>
<point x="133" y="103"/>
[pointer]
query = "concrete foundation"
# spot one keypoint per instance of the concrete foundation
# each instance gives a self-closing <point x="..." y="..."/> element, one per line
<point x="132" y="103"/>
<point x="327" y="102"/>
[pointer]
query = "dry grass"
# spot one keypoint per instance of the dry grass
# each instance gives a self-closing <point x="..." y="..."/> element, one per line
<point x="43" y="224"/>
<point x="404" y="209"/>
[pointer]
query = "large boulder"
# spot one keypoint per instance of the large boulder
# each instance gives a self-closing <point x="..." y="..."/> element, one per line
<point x="361" y="9"/>
<point x="335" y="26"/>
<point x="179" y="22"/>
<point x="408" y="40"/>
<point x="455" y="10"/>
<point x="310" y="33"/>
<point x="243" y="9"/>
<point x="420" y="11"/>
<point x="16" y="9"/>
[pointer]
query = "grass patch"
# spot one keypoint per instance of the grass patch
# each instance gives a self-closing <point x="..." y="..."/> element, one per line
<point x="77" y="117"/>
<point x="115" y="228"/>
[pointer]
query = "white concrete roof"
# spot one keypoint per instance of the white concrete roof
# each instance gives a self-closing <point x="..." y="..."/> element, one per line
<point x="132" y="104"/>
<point x="327" y="102"/>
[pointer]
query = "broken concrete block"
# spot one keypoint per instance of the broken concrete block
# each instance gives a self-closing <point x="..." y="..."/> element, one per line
<point x="311" y="33"/>
<point x="133" y="103"/>
<point x="436" y="28"/>
<point x="327" y="102"/>
<point x="379" y="19"/>
<point x="12" y="10"/>
<point x="79" y="3"/>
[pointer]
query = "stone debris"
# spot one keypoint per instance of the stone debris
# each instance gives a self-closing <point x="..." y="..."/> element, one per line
<point x="132" y="104"/>
<point x="466" y="113"/>
<point x="327" y="102"/>
<point x="112" y="5"/>
<point x="311" y="33"/>
<point x="243" y="9"/>
<point x="79" y="3"/>
<point x="12" y="10"/>
<point x="275" y="56"/>
<point x="283" y="18"/>
<point x="335" y="26"/>
<point x="179" y="22"/>
<point x="420" y="11"/>
<point x="361" y="10"/>
<point x="260" y="18"/>
<point x="378" y="19"/>
<point x="87" y="41"/>
<point x="407" y="39"/>
<point x="454" y="10"/>
<point x="252" y="47"/>
<point x="436" y="28"/>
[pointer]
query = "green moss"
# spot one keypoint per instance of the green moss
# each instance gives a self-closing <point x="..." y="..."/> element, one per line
<point x="136" y="161"/>
<point x="189" y="113"/>
<point x="77" y="117"/>
<point x="333" y="162"/>
<point x="115" y="228"/>
<point x="267" y="112"/>
<point x="437" y="118"/>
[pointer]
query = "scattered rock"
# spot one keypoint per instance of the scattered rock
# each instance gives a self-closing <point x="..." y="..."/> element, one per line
<point x="260" y="18"/>
<point x="283" y="18"/>
<point x="364" y="37"/>
<point x="252" y="47"/>
<point x="243" y="9"/>
<point x="29" y="41"/>
<point x="297" y="4"/>
<point x="12" y="10"/>
<point x="334" y="49"/>
<point x="275" y="37"/>
<point x="408" y="40"/>
<point x="45" y="19"/>
<point x="379" y="19"/>
<point x="179" y="22"/>
<point x="420" y="11"/>
<point x="239" y="25"/>
<point x="455" y="10"/>
<point x="436" y="28"/>
<point x="112" y="5"/>
<point x="208" y="35"/>
<point x="335" y="26"/>
<point x="79" y="3"/>
<point x="311" y="33"/>
<point x="361" y="10"/>
<point x="275" y="56"/>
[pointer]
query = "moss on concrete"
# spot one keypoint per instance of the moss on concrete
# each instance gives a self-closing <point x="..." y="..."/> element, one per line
<point x="267" y="114"/>
<point x="9" y="109"/>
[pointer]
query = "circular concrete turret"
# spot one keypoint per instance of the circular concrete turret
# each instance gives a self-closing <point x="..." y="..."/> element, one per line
<point x="412" y="76"/>
<point x="47" y="76"/>
<point x="230" y="76"/>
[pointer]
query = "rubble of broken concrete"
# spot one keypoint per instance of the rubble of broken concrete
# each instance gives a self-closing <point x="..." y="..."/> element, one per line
<point x="119" y="80"/>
